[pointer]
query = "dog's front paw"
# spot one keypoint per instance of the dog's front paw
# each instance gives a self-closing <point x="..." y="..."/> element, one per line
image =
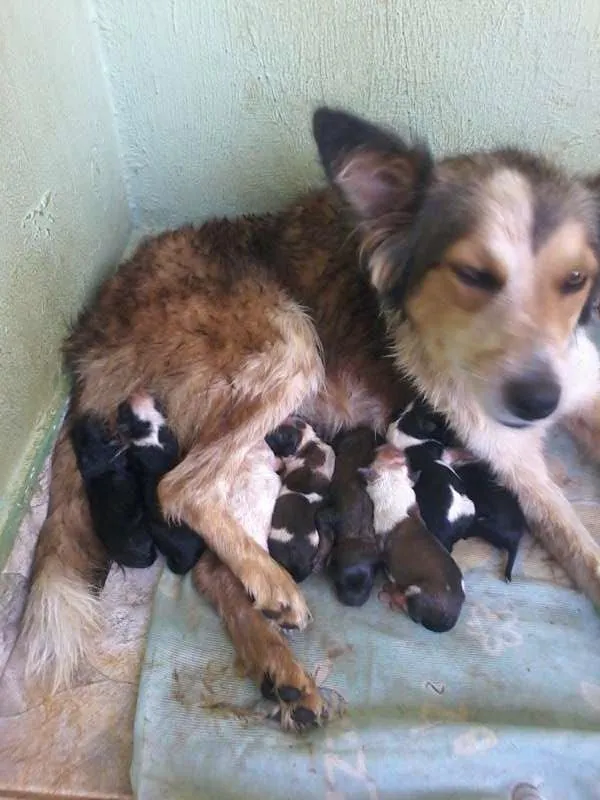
<point x="274" y="592"/>
<point x="300" y="709"/>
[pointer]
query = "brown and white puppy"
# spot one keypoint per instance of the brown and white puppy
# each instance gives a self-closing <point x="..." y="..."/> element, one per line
<point x="305" y="472"/>
<point x="484" y="267"/>
<point x="425" y="580"/>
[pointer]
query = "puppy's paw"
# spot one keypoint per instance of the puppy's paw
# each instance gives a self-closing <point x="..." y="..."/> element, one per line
<point x="274" y="592"/>
<point x="393" y="597"/>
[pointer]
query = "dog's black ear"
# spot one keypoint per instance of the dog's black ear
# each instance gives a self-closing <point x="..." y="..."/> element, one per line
<point x="381" y="177"/>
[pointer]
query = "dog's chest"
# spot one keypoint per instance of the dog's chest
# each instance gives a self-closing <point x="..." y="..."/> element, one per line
<point x="350" y="400"/>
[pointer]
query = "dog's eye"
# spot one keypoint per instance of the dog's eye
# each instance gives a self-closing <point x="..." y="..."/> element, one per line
<point x="476" y="278"/>
<point x="574" y="282"/>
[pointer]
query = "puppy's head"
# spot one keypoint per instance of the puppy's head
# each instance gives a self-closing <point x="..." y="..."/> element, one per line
<point x="389" y="463"/>
<point x="485" y="264"/>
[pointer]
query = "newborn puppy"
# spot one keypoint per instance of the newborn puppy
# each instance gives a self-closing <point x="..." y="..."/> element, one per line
<point x="355" y="556"/>
<point x="114" y="497"/>
<point x="499" y="518"/>
<point x="306" y="470"/>
<point x="154" y="451"/>
<point x="426" y="581"/>
<point x="444" y="505"/>
<point x="418" y="423"/>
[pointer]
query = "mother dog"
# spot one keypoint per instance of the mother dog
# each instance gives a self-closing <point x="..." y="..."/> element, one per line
<point x="484" y="267"/>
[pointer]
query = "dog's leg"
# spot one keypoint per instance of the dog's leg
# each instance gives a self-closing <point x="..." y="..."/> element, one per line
<point x="70" y="566"/>
<point x="262" y="650"/>
<point x="552" y="518"/>
<point x="267" y="390"/>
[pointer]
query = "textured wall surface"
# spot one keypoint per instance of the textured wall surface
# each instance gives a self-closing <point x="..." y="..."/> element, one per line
<point x="64" y="216"/>
<point x="213" y="98"/>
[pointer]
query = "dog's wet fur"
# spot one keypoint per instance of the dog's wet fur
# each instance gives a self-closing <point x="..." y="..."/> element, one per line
<point x="484" y="266"/>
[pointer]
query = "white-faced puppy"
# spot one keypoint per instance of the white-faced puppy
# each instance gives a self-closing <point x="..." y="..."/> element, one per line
<point x="390" y="488"/>
<point x="307" y="465"/>
<point x="425" y="580"/>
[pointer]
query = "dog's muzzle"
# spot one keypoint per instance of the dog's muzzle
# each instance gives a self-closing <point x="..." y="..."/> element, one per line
<point x="531" y="395"/>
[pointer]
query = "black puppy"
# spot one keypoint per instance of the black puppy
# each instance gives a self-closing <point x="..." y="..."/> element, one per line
<point x="154" y="451"/>
<point x="499" y="518"/>
<point x="418" y="423"/>
<point x="113" y="493"/>
<point x="121" y="475"/>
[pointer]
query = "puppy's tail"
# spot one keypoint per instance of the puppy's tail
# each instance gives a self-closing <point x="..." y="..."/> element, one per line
<point x="70" y="566"/>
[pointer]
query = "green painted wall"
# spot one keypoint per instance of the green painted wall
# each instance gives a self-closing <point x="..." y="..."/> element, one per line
<point x="213" y="97"/>
<point x="64" y="217"/>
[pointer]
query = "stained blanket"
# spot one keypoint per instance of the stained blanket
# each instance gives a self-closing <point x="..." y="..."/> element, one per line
<point x="507" y="705"/>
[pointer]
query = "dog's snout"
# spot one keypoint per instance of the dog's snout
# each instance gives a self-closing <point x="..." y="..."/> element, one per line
<point x="532" y="395"/>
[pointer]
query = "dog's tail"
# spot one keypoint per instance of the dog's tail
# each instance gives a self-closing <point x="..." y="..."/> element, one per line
<point x="70" y="566"/>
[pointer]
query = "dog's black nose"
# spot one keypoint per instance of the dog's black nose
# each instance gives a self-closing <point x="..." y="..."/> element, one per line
<point x="532" y="395"/>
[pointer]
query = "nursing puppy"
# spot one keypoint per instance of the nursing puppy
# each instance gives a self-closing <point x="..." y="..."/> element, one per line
<point x="479" y="270"/>
<point x="306" y="470"/>
<point x="152" y="452"/>
<point x="444" y="504"/>
<point x="419" y="423"/>
<point x="121" y="475"/>
<point x="426" y="582"/>
<point x="499" y="519"/>
<point x="457" y="500"/>
<point x="355" y="556"/>
<point x="113" y="492"/>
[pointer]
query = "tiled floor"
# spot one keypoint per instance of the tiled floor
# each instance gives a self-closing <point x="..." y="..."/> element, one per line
<point x="78" y="743"/>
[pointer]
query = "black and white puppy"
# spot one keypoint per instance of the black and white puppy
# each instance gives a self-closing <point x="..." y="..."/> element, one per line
<point x="444" y="505"/>
<point x="498" y="518"/>
<point x="121" y="475"/>
<point x="153" y="451"/>
<point x="113" y="492"/>
<point x="307" y="465"/>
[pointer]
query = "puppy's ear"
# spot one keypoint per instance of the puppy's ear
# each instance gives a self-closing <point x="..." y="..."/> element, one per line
<point x="592" y="304"/>
<point x="381" y="177"/>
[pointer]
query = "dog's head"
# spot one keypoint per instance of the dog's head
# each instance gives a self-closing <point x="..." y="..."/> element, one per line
<point x="490" y="259"/>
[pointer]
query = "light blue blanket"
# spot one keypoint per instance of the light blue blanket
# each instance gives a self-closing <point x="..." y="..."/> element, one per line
<point x="509" y="698"/>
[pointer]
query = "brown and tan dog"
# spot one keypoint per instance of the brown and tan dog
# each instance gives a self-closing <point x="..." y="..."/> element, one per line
<point x="484" y="266"/>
